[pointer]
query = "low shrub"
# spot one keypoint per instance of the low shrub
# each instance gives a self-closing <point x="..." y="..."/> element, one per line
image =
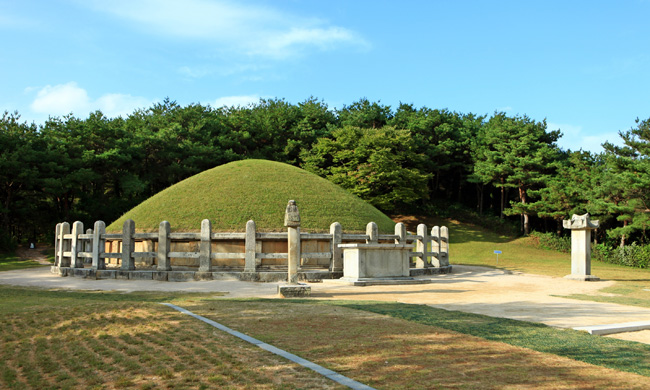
<point x="551" y="241"/>
<point x="637" y="256"/>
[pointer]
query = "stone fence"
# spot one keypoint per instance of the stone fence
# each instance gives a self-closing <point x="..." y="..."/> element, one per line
<point x="257" y="256"/>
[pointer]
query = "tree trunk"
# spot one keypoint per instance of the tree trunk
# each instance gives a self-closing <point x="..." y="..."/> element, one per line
<point x="526" y="222"/>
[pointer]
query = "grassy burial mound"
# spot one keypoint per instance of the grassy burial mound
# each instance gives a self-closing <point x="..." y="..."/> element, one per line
<point x="231" y="194"/>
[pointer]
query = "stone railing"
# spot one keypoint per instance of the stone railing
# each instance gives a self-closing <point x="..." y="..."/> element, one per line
<point x="252" y="255"/>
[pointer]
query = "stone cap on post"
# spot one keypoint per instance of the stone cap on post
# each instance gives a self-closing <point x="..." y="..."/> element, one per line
<point x="580" y="222"/>
<point x="292" y="215"/>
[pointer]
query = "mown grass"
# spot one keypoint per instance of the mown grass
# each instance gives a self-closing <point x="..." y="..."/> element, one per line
<point x="413" y="346"/>
<point x="109" y="340"/>
<point x="103" y="340"/>
<point x="232" y="194"/>
<point x="10" y="262"/>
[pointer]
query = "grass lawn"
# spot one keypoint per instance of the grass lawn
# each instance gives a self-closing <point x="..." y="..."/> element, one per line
<point x="9" y="262"/>
<point x="106" y="340"/>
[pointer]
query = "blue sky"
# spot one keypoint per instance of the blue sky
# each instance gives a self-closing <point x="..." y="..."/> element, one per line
<point x="582" y="65"/>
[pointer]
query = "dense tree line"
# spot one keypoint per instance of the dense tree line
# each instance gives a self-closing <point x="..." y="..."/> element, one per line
<point x="403" y="160"/>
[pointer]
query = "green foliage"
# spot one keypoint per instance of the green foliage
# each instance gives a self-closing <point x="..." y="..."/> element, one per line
<point x="232" y="194"/>
<point x="552" y="241"/>
<point x="378" y="165"/>
<point x="637" y="256"/>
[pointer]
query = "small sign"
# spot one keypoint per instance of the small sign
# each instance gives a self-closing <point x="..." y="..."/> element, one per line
<point x="497" y="252"/>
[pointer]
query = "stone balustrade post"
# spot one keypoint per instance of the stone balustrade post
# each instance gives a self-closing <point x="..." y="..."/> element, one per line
<point x="443" y="257"/>
<point x="205" y="247"/>
<point x="292" y="222"/>
<point x="164" y="263"/>
<point x="98" y="246"/>
<point x="128" y="245"/>
<point x="64" y="245"/>
<point x="57" y="240"/>
<point x="336" y="230"/>
<point x="400" y="232"/>
<point x="421" y="246"/>
<point x="372" y="232"/>
<point x="88" y="246"/>
<point x="76" y="246"/>
<point x="250" y="247"/>
<point x="435" y="246"/>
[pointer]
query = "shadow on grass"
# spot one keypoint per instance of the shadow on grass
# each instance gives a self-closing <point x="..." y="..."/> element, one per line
<point x="612" y="353"/>
<point x="606" y="352"/>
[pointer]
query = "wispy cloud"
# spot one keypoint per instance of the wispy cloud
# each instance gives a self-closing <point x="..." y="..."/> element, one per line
<point x="236" y="101"/>
<point x="574" y="138"/>
<point x="63" y="99"/>
<point x="244" y="29"/>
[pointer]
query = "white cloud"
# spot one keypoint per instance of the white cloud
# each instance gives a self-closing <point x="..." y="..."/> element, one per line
<point x="241" y="101"/>
<point x="574" y="138"/>
<point x="245" y="29"/>
<point x="63" y="99"/>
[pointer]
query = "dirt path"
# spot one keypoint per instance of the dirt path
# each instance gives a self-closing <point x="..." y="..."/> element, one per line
<point x="35" y="254"/>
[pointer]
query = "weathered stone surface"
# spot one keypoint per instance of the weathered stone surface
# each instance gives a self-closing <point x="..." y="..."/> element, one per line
<point x="141" y="275"/>
<point x="160" y="276"/>
<point x="128" y="245"/>
<point x="122" y="274"/>
<point x="580" y="222"/>
<point x="372" y="231"/>
<point x="294" y="290"/>
<point x="106" y="274"/>
<point x="98" y="246"/>
<point x="250" y="247"/>
<point x="203" y="275"/>
<point x="336" y="230"/>
<point x="164" y="263"/>
<point x="375" y="260"/>
<point x="292" y="215"/>
<point x="64" y="246"/>
<point x="85" y="273"/>
<point x="581" y="227"/>
<point x="180" y="276"/>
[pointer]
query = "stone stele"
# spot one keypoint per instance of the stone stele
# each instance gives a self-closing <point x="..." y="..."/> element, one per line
<point x="581" y="227"/>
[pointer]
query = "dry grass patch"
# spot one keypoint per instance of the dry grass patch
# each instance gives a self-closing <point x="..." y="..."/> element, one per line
<point x="391" y="353"/>
<point x="131" y="345"/>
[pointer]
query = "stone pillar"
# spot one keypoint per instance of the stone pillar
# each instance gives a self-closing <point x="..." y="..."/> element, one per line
<point x="336" y="230"/>
<point x="581" y="227"/>
<point x="435" y="246"/>
<point x="292" y="222"/>
<point x="163" y="247"/>
<point x="421" y="246"/>
<point x="76" y="246"/>
<point x="88" y="247"/>
<point x="64" y="245"/>
<point x="99" y="244"/>
<point x="205" y="250"/>
<point x="400" y="232"/>
<point x="444" y="246"/>
<point x="372" y="232"/>
<point x="128" y="245"/>
<point x="57" y="240"/>
<point x="250" y="247"/>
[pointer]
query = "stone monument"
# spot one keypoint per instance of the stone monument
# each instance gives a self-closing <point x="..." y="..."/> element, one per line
<point x="581" y="227"/>
<point x="292" y="222"/>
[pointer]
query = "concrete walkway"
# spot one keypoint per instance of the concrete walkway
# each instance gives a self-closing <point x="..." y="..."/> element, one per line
<point x="470" y="289"/>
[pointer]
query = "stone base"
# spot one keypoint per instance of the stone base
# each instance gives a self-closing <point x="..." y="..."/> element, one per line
<point x="378" y="281"/>
<point x="430" y="271"/>
<point x="294" y="290"/>
<point x="584" y="278"/>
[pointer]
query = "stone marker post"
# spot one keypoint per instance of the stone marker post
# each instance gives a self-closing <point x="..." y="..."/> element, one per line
<point x="581" y="227"/>
<point x="292" y="222"/>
